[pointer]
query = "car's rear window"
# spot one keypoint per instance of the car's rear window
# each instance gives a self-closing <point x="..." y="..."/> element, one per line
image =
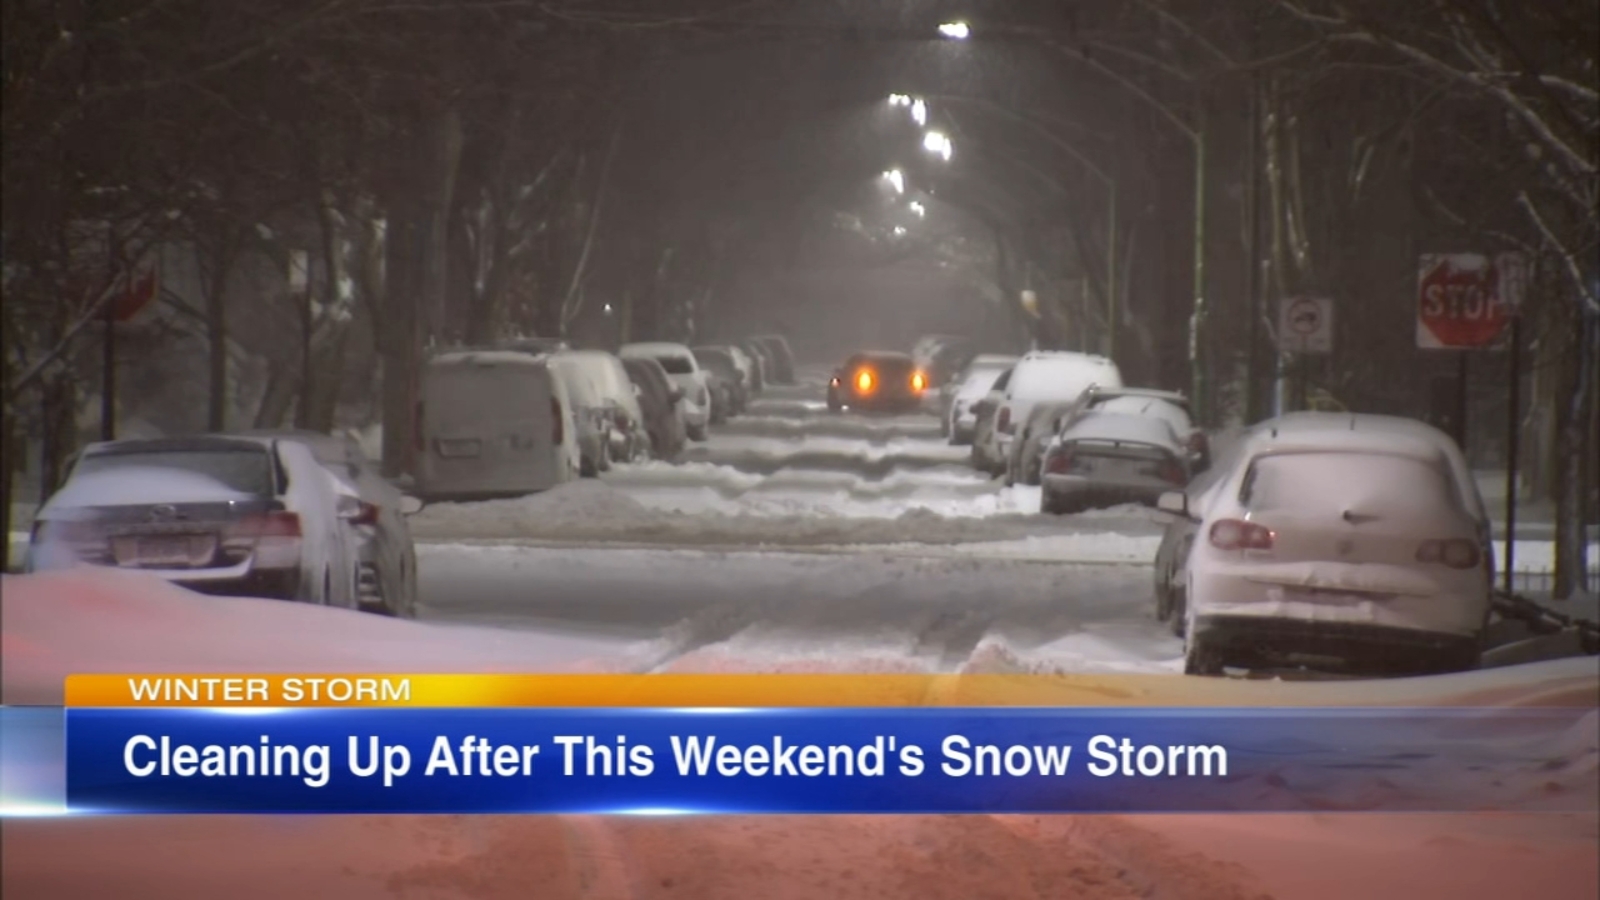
<point x="1378" y="484"/>
<point x="247" y="471"/>
<point x="676" y="365"/>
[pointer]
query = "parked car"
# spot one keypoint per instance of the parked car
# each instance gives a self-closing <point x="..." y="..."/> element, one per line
<point x="1028" y="443"/>
<point x="1336" y="542"/>
<point x="749" y="369"/>
<point x="764" y="364"/>
<point x="961" y="394"/>
<point x="1169" y="405"/>
<point x="783" y="368"/>
<point x="1041" y="376"/>
<point x="878" y="381"/>
<point x="613" y="399"/>
<point x="219" y="514"/>
<point x="1107" y="458"/>
<point x="985" y="413"/>
<point x="494" y="423"/>
<point x="728" y="396"/>
<point x="659" y="399"/>
<point x="680" y="365"/>
<point x="386" y="579"/>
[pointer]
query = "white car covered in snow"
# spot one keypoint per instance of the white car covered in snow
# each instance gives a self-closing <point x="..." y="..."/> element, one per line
<point x="962" y="394"/>
<point x="679" y="362"/>
<point x="1334" y="542"/>
<point x="257" y="517"/>
<point x="1039" y="377"/>
<point x="1107" y="458"/>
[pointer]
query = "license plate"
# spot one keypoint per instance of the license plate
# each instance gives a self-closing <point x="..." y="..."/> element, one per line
<point x="462" y="448"/>
<point x="164" y="550"/>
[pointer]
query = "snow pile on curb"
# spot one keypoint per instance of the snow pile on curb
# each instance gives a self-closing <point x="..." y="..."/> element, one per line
<point x="591" y="511"/>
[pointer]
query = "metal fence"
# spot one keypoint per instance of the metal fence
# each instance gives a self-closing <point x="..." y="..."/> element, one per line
<point x="1543" y="581"/>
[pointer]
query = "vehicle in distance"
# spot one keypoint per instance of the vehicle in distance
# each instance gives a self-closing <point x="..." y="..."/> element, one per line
<point x="219" y="514"/>
<point x="1041" y="376"/>
<point x="1170" y="405"/>
<point x="881" y="381"/>
<point x="680" y="365"/>
<point x="1336" y="542"/>
<point x="963" y="393"/>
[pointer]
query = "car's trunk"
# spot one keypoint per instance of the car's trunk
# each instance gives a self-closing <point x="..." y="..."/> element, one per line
<point x="195" y="535"/>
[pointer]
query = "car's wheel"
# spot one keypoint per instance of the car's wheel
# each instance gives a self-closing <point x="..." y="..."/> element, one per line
<point x="697" y="433"/>
<point x="1200" y="659"/>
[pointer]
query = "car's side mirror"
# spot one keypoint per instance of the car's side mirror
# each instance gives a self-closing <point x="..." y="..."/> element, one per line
<point x="1175" y="502"/>
<point x="410" y="506"/>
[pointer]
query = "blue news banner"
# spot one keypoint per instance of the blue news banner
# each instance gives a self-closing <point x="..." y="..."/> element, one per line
<point x="921" y="760"/>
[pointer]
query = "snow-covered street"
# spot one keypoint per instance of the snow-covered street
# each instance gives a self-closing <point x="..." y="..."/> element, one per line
<point x="797" y="539"/>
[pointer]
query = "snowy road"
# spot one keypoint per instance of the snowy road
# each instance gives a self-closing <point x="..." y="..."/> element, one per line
<point x="797" y="539"/>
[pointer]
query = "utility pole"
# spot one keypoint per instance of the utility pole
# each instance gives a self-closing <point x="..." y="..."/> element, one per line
<point x="1252" y="403"/>
<point x="1111" y="269"/>
<point x="1199" y="384"/>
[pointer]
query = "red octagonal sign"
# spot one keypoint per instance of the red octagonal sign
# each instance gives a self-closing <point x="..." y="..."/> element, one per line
<point x="1458" y="302"/>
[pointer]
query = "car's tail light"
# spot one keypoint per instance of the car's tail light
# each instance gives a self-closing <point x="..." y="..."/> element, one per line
<point x="558" y="423"/>
<point x="1237" y="534"/>
<point x="1059" y="463"/>
<point x="366" y="515"/>
<point x="1197" y="441"/>
<point x="834" y="381"/>
<point x="1172" y="472"/>
<point x="1457" y="553"/>
<point x="279" y="524"/>
<point x="865" y="381"/>
<point x="1002" y="422"/>
<point x="919" y="381"/>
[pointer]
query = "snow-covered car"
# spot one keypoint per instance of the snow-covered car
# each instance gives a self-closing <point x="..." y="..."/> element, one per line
<point x="760" y="362"/>
<point x="1170" y="405"/>
<point x="219" y="514"/>
<point x="749" y="369"/>
<point x="680" y="365"/>
<point x="1040" y="376"/>
<point x="1028" y="443"/>
<point x="386" y="578"/>
<point x="728" y="395"/>
<point x="1337" y="542"/>
<point x="496" y="423"/>
<point x="880" y="381"/>
<point x="985" y="413"/>
<point x="613" y="398"/>
<point x="1108" y="458"/>
<point x="659" y="399"/>
<point x="782" y="370"/>
<point x="962" y="393"/>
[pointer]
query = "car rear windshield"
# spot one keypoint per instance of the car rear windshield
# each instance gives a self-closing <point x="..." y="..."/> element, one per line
<point x="676" y="365"/>
<point x="246" y="470"/>
<point x="1375" y="484"/>
<point x="889" y="368"/>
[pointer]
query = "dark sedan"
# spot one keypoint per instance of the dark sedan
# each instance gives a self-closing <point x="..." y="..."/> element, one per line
<point x="878" y="382"/>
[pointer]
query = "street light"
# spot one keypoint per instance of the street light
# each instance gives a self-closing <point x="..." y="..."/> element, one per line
<point x="896" y="178"/>
<point x="899" y="231"/>
<point x="899" y="100"/>
<point x="938" y="143"/>
<point x="956" y="31"/>
<point x="919" y="112"/>
<point x="920" y="210"/>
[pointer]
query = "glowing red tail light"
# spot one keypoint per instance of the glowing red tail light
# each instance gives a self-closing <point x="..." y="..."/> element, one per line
<point x="1237" y="534"/>
<point x="1457" y="553"/>
<point x="1059" y="463"/>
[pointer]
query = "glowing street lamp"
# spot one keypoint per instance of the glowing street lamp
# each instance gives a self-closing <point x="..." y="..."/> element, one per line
<point x="919" y="112"/>
<point x="899" y="100"/>
<point x="956" y="31"/>
<point x="919" y="209"/>
<point x="937" y="143"/>
<point x="899" y="231"/>
<point x="896" y="178"/>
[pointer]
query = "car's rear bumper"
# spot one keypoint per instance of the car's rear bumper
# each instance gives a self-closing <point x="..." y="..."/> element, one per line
<point x="891" y="404"/>
<point x="1096" y="493"/>
<point x="1257" y="642"/>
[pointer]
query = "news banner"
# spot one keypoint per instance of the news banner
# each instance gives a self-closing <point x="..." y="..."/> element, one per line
<point x="691" y="744"/>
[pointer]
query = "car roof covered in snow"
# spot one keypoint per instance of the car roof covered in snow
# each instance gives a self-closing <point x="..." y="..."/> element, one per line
<point x="993" y="361"/>
<point x="1100" y="426"/>
<point x="655" y="348"/>
<point x="1106" y="393"/>
<point x="486" y="358"/>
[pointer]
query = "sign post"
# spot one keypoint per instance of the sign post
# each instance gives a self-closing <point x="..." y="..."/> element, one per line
<point x="1513" y="272"/>
<point x="1305" y="327"/>
<point x="1459" y="308"/>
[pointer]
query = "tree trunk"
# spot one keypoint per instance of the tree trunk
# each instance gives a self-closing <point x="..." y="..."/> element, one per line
<point x="1571" y="546"/>
<point x="282" y="384"/>
<point x="216" y="291"/>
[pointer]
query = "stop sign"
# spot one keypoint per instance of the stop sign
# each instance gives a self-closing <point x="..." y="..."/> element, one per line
<point x="1458" y="302"/>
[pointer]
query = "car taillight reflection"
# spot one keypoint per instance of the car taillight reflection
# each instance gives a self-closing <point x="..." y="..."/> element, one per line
<point x="1457" y="553"/>
<point x="865" y="381"/>
<point x="1237" y="534"/>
